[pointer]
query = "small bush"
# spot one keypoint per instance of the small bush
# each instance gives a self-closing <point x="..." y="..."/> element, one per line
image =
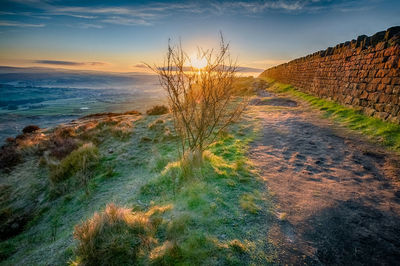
<point x="117" y="236"/>
<point x="61" y="147"/>
<point x="80" y="161"/>
<point x="158" y="110"/>
<point x="30" y="129"/>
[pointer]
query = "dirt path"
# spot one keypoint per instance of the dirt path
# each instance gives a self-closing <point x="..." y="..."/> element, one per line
<point x="337" y="197"/>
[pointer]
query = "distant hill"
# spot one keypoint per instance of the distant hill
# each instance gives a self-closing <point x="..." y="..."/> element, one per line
<point x="57" y="77"/>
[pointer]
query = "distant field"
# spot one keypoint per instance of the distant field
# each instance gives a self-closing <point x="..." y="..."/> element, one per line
<point x="47" y="106"/>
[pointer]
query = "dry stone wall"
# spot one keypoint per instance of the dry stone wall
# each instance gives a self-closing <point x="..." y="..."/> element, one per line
<point x="363" y="73"/>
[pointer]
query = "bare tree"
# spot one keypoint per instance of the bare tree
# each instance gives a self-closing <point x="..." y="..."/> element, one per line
<point x="202" y="99"/>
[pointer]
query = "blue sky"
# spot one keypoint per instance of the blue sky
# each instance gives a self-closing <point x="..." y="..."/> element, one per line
<point x="119" y="35"/>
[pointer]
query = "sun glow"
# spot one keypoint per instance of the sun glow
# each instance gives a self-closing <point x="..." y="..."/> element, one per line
<point x="197" y="62"/>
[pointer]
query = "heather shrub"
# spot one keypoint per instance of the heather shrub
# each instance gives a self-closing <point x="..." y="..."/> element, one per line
<point x="62" y="142"/>
<point x="30" y="129"/>
<point x="158" y="110"/>
<point x="61" y="147"/>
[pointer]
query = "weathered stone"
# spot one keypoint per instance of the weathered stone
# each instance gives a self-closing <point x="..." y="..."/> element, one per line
<point x="391" y="32"/>
<point x="379" y="107"/>
<point x="377" y="37"/>
<point x="394" y="119"/>
<point x="369" y="111"/>
<point x="381" y="115"/>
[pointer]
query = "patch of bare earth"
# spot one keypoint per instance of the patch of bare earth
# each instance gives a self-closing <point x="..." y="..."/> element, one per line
<point x="337" y="196"/>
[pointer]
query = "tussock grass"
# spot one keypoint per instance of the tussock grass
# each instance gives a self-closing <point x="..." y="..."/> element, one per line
<point x="78" y="163"/>
<point x="116" y="236"/>
<point x="381" y="131"/>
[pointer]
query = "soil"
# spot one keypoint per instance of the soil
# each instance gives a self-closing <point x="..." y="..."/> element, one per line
<point x="337" y="195"/>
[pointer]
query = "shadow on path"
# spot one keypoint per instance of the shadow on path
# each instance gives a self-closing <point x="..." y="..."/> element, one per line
<point x="337" y="197"/>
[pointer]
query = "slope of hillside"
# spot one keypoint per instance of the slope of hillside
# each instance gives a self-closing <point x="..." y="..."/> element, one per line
<point x="62" y="177"/>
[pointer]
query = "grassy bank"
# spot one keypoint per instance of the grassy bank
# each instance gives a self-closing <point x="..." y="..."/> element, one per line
<point x="215" y="214"/>
<point x="386" y="133"/>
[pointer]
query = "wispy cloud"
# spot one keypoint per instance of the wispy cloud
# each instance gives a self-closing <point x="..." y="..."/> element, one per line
<point x="20" y="24"/>
<point x="75" y="15"/>
<point x="6" y="13"/>
<point x="68" y="63"/>
<point x="140" y="66"/>
<point x="258" y="6"/>
<point x="90" y="26"/>
<point x="126" y="21"/>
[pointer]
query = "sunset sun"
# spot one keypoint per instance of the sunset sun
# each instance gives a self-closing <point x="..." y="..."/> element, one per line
<point x="197" y="62"/>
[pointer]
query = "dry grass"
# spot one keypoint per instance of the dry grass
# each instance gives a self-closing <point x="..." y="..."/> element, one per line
<point x="116" y="236"/>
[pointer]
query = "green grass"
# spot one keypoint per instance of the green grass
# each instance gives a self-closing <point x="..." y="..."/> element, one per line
<point x="209" y="224"/>
<point x="380" y="131"/>
<point x="217" y="214"/>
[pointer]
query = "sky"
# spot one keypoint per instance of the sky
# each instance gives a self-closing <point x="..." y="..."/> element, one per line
<point x="119" y="36"/>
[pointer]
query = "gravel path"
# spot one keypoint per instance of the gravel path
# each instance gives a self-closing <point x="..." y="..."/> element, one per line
<point x="337" y="196"/>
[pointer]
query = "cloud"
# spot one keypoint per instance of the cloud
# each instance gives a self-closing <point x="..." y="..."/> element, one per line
<point x="6" y="13"/>
<point x="140" y="66"/>
<point x="258" y="6"/>
<point x="89" y="26"/>
<point x="76" y="15"/>
<point x="68" y="63"/>
<point x="126" y="21"/>
<point x="20" y="24"/>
